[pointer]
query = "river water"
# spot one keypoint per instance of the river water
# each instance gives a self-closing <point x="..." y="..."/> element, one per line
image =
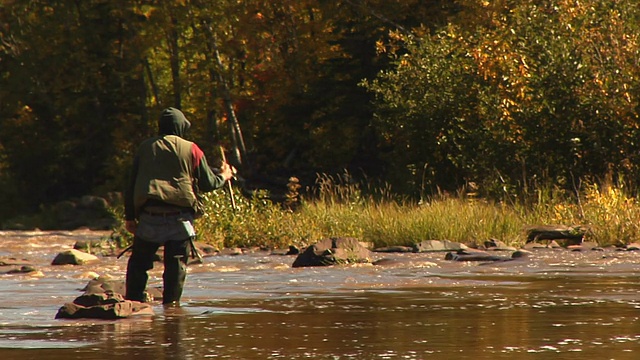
<point x="554" y="304"/>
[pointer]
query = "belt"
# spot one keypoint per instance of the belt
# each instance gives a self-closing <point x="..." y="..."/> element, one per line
<point x="165" y="214"/>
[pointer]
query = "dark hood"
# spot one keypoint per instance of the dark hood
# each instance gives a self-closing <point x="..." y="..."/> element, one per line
<point x="173" y="122"/>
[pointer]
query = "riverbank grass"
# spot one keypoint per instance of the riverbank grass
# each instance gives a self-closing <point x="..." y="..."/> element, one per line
<point x="342" y="211"/>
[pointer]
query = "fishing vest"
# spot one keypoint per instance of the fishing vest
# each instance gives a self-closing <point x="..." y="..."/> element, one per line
<point x="165" y="168"/>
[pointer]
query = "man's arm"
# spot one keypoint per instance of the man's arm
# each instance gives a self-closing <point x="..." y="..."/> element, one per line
<point x="207" y="179"/>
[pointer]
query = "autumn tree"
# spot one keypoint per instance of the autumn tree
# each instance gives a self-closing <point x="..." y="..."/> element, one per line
<point x="542" y="92"/>
<point x="70" y="77"/>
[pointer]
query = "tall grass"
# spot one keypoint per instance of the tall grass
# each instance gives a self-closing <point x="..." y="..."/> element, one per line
<point x="340" y="208"/>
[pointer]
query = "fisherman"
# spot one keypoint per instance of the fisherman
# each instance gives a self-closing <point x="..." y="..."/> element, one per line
<point x="161" y="203"/>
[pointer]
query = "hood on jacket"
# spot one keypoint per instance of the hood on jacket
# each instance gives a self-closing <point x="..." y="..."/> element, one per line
<point x="173" y="122"/>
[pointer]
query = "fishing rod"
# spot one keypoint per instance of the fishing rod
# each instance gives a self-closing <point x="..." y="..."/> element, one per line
<point x="229" y="186"/>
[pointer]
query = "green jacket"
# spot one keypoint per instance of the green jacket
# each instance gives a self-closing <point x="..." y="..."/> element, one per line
<point x="166" y="168"/>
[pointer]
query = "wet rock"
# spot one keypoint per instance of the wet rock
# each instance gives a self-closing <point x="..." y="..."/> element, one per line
<point x="333" y="251"/>
<point x="22" y="270"/>
<point x="104" y="284"/>
<point x="11" y="261"/>
<point x="205" y="249"/>
<point x="518" y="254"/>
<point x="73" y="257"/>
<point x="497" y="245"/>
<point x="394" y="249"/>
<point x="571" y="235"/>
<point x="585" y="246"/>
<point x="438" y="245"/>
<point x="476" y="255"/>
<point x="107" y="305"/>
<point x="292" y="250"/>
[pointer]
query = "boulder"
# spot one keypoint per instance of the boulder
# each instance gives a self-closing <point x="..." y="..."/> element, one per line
<point x="73" y="257"/>
<point x="333" y="251"/>
<point x="571" y="235"/>
<point x="438" y="245"/>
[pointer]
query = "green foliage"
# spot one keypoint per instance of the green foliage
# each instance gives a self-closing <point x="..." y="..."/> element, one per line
<point x="255" y="221"/>
<point x="120" y="237"/>
<point x="544" y="92"/>
<point x="342" y="211"/>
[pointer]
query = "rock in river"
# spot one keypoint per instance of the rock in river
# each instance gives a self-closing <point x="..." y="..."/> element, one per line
<point x="332" y="251"/>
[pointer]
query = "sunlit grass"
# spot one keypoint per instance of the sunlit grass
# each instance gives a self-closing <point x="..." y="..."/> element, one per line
<point x="340" y="209"/>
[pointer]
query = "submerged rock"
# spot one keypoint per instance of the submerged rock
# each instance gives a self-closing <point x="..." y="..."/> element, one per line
<point x="477" y="255"/>
<point x="25" y="269"/>
<point x="12" y="261"/>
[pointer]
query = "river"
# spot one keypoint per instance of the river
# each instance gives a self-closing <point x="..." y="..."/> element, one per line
<point x="554" y="304"/>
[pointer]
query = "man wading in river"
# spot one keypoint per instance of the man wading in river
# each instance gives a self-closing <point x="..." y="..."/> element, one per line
<point x="161" y="202"/>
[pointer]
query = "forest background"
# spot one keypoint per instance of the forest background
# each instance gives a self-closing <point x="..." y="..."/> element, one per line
<point x="500" y="98"/>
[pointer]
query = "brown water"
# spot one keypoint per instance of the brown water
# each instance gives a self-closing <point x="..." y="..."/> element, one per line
<point x="553" y="305"/>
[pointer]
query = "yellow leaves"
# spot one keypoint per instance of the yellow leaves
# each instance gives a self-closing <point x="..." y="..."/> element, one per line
<point x="396" y="35"/>
<point x="563" y="212"/>
<point x="608" y="199"/>
<point x="26" y="110"/>
<point x="405" y="61"/>
<point x="610" y="207"/>
<point x="508" y="102"/>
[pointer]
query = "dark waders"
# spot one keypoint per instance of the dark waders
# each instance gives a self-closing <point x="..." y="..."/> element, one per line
<point x="176" y="253"/>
